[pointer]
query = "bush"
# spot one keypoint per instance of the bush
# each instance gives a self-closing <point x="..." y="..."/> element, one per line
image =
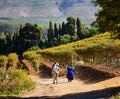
<point x="34" y="58"/>
<point x="2" y="74"/>
<point x="13" y="60"/>
<point x="117" y="97"/>
<point x="3" y="61"/>
<point x="14" y="82"/>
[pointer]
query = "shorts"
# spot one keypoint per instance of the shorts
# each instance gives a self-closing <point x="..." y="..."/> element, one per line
<point x="53" y="74"/>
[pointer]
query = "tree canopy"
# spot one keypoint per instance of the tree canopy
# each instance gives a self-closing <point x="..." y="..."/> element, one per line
<point x="108" y="16"/>
<point x="32" y="37"/>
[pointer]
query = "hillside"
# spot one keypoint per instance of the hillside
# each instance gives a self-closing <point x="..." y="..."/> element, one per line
<point x="100" y="49"/>
<point x="42" y="11"/>
<point x="91" y="81"/>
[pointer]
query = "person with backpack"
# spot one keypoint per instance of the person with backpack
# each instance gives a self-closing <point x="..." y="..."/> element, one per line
<point x="53" y="64"/>
<point x="70" y="73"/>
<point x="55" y="73"/>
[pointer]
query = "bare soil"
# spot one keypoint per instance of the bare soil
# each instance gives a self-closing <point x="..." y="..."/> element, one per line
<point x="91" y="82"/>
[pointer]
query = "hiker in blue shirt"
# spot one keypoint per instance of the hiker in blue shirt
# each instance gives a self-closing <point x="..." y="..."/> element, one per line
<point x="70" y="73"/>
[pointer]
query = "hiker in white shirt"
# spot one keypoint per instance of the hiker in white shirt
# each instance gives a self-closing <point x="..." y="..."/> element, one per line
<point x="55" y="73"/>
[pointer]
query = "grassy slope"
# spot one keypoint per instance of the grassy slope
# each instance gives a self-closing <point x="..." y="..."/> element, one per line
<point x="97" y="46"/>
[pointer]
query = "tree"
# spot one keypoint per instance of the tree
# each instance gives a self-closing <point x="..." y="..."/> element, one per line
<point x="70" y="26"/>
<point x="60" y="33"/>
<point x="9" y="38"/>
<point x="54" y="42"/>
<point x="14" y="42"/>
<point x="60" y="30"/>
<point x="79" y="29"/>
<point x="56" y="33"/>
<point x="30" y="35"/>
<point x="2" y="43"/>
<point x="66" y="38"/>
<point x="108" y="17"/>
<point x="50" y="34"/>
<point x="63" y="29"/>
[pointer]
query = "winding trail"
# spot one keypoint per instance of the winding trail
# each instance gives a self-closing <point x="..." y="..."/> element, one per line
<point x="44" y="87"/>
<point x="75" y="90"/>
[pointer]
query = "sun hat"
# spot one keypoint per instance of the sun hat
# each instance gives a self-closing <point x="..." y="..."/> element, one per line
<point x="57" y="64"/>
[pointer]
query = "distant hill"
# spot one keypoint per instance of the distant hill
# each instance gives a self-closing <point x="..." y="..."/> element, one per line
<point x="43" y="11"/>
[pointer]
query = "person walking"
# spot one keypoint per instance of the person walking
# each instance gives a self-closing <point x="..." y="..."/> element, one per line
<point x="70" y="73"/>
<point x="53" y="64"/>
<point x="55" y="73"/>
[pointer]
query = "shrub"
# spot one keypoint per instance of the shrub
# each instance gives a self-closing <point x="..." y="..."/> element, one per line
<point x="34" y="58"/>
<point x="13" y="60"/>
<point x="2" y="74"/>
<point x="3" y="61"/>
<point x="117" y="97"/>
<point x="14" y="82"/>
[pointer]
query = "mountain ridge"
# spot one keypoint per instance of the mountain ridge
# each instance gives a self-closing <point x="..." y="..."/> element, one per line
<point x="23" y="9"/>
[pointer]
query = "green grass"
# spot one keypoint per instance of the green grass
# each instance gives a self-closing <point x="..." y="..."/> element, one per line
<point x="97" y="47"/>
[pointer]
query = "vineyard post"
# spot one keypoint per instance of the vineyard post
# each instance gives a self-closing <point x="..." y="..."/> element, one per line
<point x="72" y="58"/>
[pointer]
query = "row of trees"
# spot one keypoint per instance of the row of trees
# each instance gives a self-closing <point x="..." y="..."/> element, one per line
<point x="70" y="31"/>
<point x="31" y="36"/>
<point x="28" y="36"/>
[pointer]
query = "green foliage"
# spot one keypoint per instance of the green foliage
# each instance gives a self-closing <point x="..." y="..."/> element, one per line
<point x="99" y="46"/>
<point x="61" y="54"/>
<point x="33" y="48"/>
<point x="117" y="97"/>
<point x="79" y="29"/>
<point x="108" y="18"/>
<point x="63" y="30"/>
<point x="90" y="32"/>
<point x="3" y="61"/>
<point x="9" y="39"/>
<point x="74" y="38"/>
<point x="13" y="60"/>
<point x="14" y="82"/>
<point x="54" y="42"/>
<point x="2" y="74"/>
<point x="30" y="35"/>
<point x="50" y="34"/>
<point x="33" y="58"/>
<point x="2" y="43"/>
<point x="70" y="26"/>
<point x="56" y="33"/>
<point x="66" y="38"/>
<point x="70" y="31"/>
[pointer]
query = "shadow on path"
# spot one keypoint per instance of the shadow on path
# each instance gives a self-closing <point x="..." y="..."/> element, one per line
<point x="45" y="72"/>
<point x="86" y="74"/>
<point x="99" y="94"/>
<point x="90" y="75"/>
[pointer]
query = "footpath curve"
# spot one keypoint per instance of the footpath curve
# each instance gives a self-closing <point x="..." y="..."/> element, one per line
<point x="78" y="89"/>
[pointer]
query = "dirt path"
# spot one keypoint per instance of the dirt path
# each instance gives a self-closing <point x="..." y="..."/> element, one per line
<point x="91" y="83"/>
<point x="44" y="87"/>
